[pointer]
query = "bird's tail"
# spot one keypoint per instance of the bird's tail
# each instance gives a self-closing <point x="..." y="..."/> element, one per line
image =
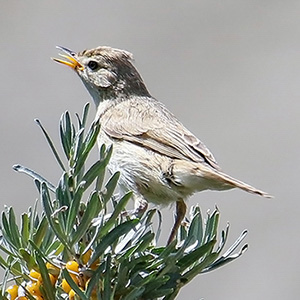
<point x="235" y="183"/>
<point x="199" y="177"/>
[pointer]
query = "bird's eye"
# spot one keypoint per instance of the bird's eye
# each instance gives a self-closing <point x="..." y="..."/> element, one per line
<point x="93" y="65"/>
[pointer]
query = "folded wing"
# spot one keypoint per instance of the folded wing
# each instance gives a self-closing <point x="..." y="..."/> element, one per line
<point x="148" y="123"/>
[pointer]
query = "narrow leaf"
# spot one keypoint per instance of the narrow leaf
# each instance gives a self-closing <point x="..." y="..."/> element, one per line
<point x="223" y="261"/>
<point x="110" y="187"/>
<point x="194" y="256"/>
<point x="66" y="133"/>
<point x="39" y="236"/>
<point x="111" y="237"/>
<point x="73" y="285"/>
<point x="34" y="175"/>
<point x="93" y="172"/>
<point x="235" y="244"/>
<point x="198" y="269"/>
<point x="25" y="229"/>
<point x="85" y="114"/>
<point x="107" y="291"/>
<point x="53" y="221"/>
<point x="117" y="211"/>
<point x="135" y="293"/>
<point x="47" y="285"/>
<point x="28" y="258"/>
<point x="73" y="209"/>
<point x="104" y="156"/>
<point x="92" y="209"/>
<point x="14" y="230"/>
<point x="51" y="144"/>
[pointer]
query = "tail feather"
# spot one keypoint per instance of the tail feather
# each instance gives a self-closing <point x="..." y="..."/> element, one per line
<point x="199" y="177"/>
<point x="241" y="185"/>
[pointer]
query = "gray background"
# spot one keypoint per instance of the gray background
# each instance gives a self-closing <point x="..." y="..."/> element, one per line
<point x="228" y="69"/>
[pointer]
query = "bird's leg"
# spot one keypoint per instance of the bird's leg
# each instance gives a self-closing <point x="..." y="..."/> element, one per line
<point x="180" y="214"/>
<point x="140" y="206"/>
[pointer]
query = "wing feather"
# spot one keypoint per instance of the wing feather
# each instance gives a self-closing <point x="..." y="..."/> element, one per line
<point x="147" y="122"/>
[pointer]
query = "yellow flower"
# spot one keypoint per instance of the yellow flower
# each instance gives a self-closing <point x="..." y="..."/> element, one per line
<point x="52" y="278"/>
<point x="72" y="266"/>
<point x="34" y="288"/>
<point x="53" y="269"/>
<point x="13" y="291"/>
<point x="86" y="256"/>
<point x="34" y="274"/>
<point x="71" y="295"/>
<point x="65" y="286"/>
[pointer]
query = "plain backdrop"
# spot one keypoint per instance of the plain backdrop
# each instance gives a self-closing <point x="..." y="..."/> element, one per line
<point x="229" y="70"/>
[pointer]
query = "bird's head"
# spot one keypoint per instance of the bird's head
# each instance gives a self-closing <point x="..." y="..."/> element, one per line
<point x="106" y="72"/>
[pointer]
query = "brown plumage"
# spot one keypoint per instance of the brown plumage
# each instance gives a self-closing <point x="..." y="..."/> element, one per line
<point x="159" y="159"/>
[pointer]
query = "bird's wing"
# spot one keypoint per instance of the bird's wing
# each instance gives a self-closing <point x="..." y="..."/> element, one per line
<point x="148" y="123"/>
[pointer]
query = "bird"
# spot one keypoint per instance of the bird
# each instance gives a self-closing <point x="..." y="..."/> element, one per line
<point x="158" y="158"/>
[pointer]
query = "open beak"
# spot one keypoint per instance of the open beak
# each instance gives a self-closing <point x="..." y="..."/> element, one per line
<point x="71" y="61"/>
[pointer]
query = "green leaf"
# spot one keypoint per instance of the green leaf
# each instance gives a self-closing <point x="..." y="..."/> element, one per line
<point x="199" y="268"/>
<point x="146" y="240"/>
<point x="235" y="244"/>
<point x="77" y="150"/>
<point x="3" y="263"/>
<point x="66" y="133"/>
<point x="14" y="230"/>
<point x="117" y="211"/>
<point x="95" y="280"/>
<point x="224" y="235"/>
<point x="64" y="190"/>
<point x="73" y="209"/>
<point x="107" y="291"/>
<point x="161" y="292"/>
<point x="93" y="172"/>
<point x="195" y="255"/>
<point x="122" y="277"/>
<point x="111" y="237"/>
<point x="85" y="114"/>
<point x="92" y="209"/>
<point x="193" y="237"/>
<point x="51" y="144"/>
<point x="228" y="256"/>
<point x="7" y="232"/>
<point x="110" y="187"/>
<point x="105" y="156"/>
<point x="55" y="248"/>
<point x="25" y="229"/>
<point x="211" y="226"/>
<point x="73" y="285"/>
<point x="171" y="248"/>
<point x="225" y="260"/>
<point x="136" y="263"/>
<point x="91" y="136"/>
<point x="83" y="146"/>
<point x="28" y="258"/>
<point x="155" y="285"/>
<point x="82" y="121"/>
<point x="135" y="293"/>
<point x="53" y="221"/>
<point x="34" y="175"/>
<point x="196" y="227"/>
<point x="39" y="236"/>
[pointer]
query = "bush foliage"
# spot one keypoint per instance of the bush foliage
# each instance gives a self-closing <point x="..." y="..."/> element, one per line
<point x="85" y="245"/>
